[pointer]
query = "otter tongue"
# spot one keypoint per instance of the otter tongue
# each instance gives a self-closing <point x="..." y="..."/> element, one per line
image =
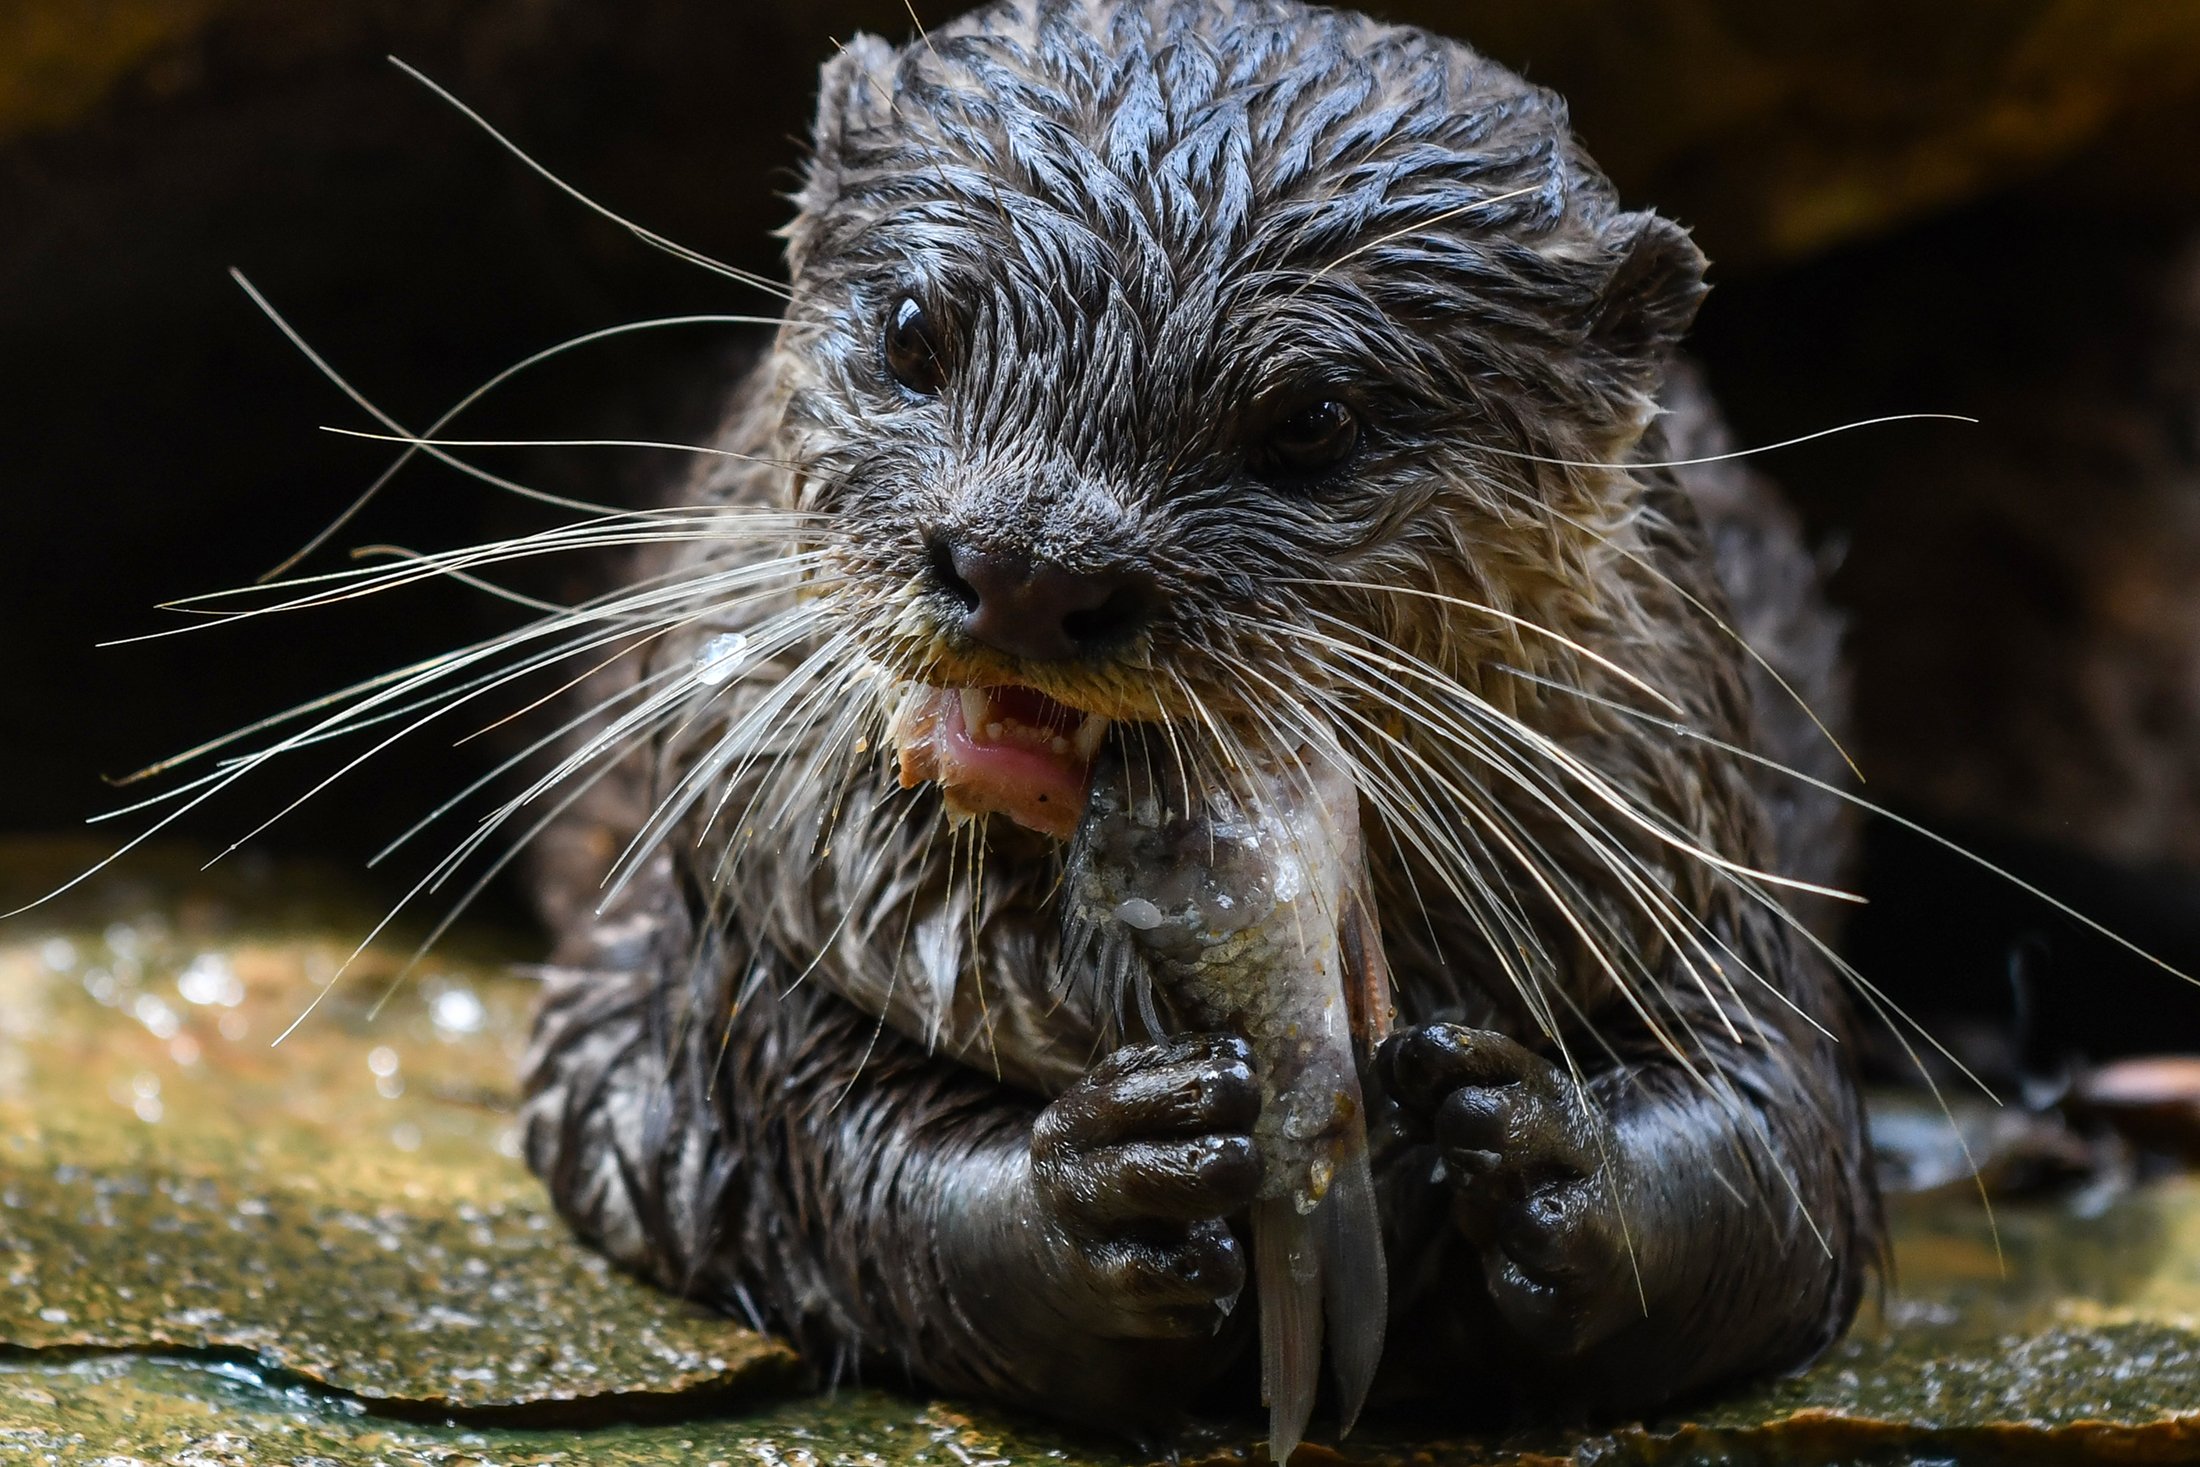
<point x="1009" y="751"/>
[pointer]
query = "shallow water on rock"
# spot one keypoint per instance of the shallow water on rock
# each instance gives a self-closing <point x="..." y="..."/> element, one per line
<point x="221" y="1250"/>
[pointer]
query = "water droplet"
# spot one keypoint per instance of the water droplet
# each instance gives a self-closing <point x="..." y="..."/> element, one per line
<point x="457" y="1011"/>
<point x="720" y="658"/>
<point x="209" y="979"/>
<point x="382" y="1060"/>
<point x="1139" y="913"/>
<point x="156" y="1016"/>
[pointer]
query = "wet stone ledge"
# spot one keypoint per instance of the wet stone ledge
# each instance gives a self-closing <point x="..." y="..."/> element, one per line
<point x="343" y="1210"/>
<point x="218" y="1250"/>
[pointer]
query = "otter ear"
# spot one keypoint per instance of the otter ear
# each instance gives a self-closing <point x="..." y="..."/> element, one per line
<point x="1650" y="296"/>
<point x="853" y="93"/>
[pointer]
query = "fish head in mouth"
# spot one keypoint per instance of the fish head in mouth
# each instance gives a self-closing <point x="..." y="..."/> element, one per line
<point x="1002" y="750"/>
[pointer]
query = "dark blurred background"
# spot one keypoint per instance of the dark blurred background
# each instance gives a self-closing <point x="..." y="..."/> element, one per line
<point x="1981" y="206"/>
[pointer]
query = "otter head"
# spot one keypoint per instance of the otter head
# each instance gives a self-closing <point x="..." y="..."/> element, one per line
<point x="1182" y="362"/>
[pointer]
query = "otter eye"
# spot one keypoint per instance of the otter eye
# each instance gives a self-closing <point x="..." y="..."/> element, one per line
<point x="912" y="347"/>
<point x="1307" y="444"/>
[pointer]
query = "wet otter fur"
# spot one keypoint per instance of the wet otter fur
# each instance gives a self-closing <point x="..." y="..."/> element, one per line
<point x="1069" y="281"/>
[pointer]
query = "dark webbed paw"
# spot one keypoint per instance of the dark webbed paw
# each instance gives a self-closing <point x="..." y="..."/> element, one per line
<point x="1135" y="1167"/>
<point x="1535" y="1178"/>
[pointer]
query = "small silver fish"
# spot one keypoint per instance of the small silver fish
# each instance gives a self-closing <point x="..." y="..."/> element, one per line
<point x="1243" y="909"/>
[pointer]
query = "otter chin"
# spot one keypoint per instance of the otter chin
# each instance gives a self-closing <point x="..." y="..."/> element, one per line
<point x="1003" y="750"/>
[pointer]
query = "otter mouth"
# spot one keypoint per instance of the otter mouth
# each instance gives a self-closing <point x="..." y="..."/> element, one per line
<point x="1007" y="750"/>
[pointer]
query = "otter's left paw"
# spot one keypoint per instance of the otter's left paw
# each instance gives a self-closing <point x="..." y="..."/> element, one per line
<point x="1532" y="1162"/>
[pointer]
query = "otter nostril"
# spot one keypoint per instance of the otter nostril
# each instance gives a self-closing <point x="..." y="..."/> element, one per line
<point x="940" y="559"/>
<point x="1123" y="610"/>
<point x="1033" y="608"/>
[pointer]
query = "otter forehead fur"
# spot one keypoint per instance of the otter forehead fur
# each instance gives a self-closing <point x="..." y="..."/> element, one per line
<point x="1140" y="237"/>
<point x="1148" y="231"/>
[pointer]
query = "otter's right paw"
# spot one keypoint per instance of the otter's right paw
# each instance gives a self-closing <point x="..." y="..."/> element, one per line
<point x="1135" y="1167"/>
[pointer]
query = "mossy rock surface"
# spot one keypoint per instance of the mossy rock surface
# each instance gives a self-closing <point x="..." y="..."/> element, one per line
<point x="344" y="1208"/>
<point x="221" y="1250"/>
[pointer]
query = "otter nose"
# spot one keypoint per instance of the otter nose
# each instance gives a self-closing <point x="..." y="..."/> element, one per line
<point x="1033" y="608"/>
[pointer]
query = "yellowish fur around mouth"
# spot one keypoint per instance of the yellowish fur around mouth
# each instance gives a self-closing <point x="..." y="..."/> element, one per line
<point x="1119" y="690"/>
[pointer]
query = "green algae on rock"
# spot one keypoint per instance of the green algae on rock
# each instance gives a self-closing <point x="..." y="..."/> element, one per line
<point x="145" y="1409"/>
<point x="346" y="1207"/>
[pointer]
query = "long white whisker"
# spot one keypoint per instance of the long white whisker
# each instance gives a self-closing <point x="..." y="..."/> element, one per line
<point x="1696" y="602"/>
<point x="336" y="378"/>
<point x="1589" y="778"/>
<point x="571" y="343"/>
<point x="705" y="449"/>
<point x="650" y="237"/>
<point x="372" y="694"/>
<point x="1510" y="619"/>
<point x="641" y="687"/>
<point x="1674" y="921"/>
<point x="1891" y="817"/>
<point x="1658" y="904"/>
<point x="622" y="612"/>
<point x="464" y="577"/>
<point x="680" y="799"/>
<point x="422" y="567"/>
<point x="1407" y="819"/>
<point x="1719" y="458"/>
<point x="768" y="638"/>
<point x="369" y="753"/>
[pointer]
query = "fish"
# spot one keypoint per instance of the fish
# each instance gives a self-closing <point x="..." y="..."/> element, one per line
<point x="1242" y="907"/>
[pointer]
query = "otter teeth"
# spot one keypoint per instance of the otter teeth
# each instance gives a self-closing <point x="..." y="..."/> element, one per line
<point x="977" y="707"/>
<point x="987" y="722"/>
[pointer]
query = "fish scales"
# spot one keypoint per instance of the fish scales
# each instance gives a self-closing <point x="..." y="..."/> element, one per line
<point x="1242" y="909"/>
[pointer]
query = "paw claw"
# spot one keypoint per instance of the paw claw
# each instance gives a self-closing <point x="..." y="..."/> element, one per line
<point x="1522" y="1150"/>
<point x="1135" y="1167"/>
<point x="1422" y="1067"/>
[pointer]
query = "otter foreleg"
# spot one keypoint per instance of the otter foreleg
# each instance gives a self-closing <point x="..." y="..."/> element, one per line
<point x="1651" y="1231"/>
<point x="895" y="1211"/>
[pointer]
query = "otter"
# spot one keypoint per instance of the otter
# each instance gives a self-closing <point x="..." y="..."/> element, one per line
<point x="1155" y="377"/>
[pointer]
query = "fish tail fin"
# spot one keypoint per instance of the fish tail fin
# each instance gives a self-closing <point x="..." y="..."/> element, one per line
<point x="1287" y="1270"/>
<point x="1355" y="1282"/>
